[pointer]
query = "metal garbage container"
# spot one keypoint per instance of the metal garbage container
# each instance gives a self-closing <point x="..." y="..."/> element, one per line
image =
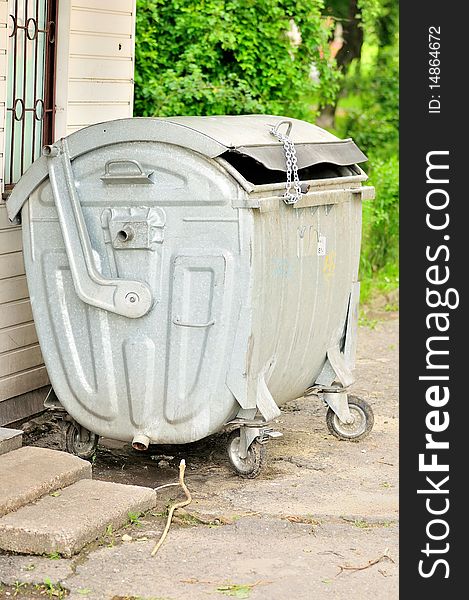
<point x="189" y="274"/>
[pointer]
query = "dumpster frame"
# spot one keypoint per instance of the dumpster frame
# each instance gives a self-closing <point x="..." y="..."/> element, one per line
<point x="133" y="298"/>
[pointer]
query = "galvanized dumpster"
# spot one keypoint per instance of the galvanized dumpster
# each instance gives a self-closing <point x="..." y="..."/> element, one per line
<point x="194" y="273"/>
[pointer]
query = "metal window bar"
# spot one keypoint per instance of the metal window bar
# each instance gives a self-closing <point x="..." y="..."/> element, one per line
<point x="31" y="84"/>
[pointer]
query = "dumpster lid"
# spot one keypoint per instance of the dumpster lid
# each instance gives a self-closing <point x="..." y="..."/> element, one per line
<point x="244" y="135"/>
<point x="252" y="130"/>
<point x="250" y="135"/>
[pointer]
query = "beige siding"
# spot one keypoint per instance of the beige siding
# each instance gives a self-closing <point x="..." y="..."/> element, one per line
<point x="21" y="368"/>
<point x="12" y="338"/>
<point x="11" y="264"/>
<point x="20" y="360"/>
<point x="100" y="66"/>
<point x="20" y="383"/>
<point x="13" y="288"/>
<point x="83" y="90"/>
<point x="10" y="240"/>
<point x="14" y="313"/>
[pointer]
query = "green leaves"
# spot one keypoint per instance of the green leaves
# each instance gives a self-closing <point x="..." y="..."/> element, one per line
<point x="374" y="126"/>
<point x="231" y="57"/>
<point x="236" y="591"/>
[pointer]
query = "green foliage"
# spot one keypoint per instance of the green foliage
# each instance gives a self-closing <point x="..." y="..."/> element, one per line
<point x="54" y="590"/>
<point x="369" y="12"/>
<point x="381" y="216"/>
<point x="369" y="113"/>
<point x="378" y="283"/>
<point x="134" y="519"/>
<point x="236" y="590"/>
<point x="374" y="125"/>
<point x="380" y="20"/>
<point x="203" y="57"/>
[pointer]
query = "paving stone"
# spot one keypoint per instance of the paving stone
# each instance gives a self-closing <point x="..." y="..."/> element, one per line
<point x="28" y="473"/>
<point x="33" y="569"/>
<point x="10" y="439"/>
<point x="77" y="515"/>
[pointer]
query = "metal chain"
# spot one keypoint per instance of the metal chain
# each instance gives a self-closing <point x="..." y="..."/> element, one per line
<point x="292" y="168"/>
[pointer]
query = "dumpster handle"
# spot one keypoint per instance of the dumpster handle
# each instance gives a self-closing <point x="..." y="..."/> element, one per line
<point x="176" y="321"/>
<point x="116" y="176"/>
<point x="124" y="297"/>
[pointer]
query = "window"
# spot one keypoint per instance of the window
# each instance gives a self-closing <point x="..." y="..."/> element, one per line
<point x="30" y="84"/>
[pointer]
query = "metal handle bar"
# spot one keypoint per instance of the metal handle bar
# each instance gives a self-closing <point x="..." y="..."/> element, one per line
<point x="176" y="321"/>
<point x="117" y="176"/>
<point x="128" y="298"/>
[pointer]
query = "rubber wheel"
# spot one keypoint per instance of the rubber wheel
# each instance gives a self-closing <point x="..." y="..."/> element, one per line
<point x="248" y="467"/>
<point x="73" y="444"/>
<point x="362" y="414"/>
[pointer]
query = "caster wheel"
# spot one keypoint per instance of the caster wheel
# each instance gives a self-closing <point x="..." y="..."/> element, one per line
<point x="363" y="420"/>
<point x="248" y="467"/>
<point x="78" y="440"/>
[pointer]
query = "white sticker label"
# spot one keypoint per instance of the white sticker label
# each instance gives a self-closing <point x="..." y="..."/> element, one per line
<point x="322" y="245"/>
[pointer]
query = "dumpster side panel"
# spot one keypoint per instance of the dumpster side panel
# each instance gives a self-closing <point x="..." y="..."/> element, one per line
<point x="305" y="261"/>
<point x="201" y="301"/>
<point x="162" y="375"/>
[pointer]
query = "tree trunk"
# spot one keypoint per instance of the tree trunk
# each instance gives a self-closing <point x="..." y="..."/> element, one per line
<point x="326" y="118"/>
<point x="353" y="38"/>
<point x="351" y="48"/>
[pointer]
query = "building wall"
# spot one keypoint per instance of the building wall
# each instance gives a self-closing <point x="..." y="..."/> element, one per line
<point x="21" y="368"/>
<point x="94" y="75"/>
<point x="95" y="81"/>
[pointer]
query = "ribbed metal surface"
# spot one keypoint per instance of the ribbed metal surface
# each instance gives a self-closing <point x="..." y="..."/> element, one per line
<point x="301" y="296"/>
<point x="245" y="304"/>
<point x="117" y="376"/>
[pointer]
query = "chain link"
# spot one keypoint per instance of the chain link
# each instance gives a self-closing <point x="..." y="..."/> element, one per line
<point x="292" y="168"/>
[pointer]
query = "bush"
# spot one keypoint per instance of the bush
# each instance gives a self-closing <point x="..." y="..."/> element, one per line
<point x="375" y="128"/>
<point x="381" y="216"/>
<point x="375" y="125"/>
<point x="205" y="57"/>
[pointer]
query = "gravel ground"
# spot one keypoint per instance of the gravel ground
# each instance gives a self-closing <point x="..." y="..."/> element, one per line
<point x="321" y="521"/>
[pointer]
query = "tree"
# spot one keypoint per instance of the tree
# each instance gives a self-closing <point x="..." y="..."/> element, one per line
<point x="377" y="20"/>
<point x="203" y="57"/>
<point x="348" y="13"/>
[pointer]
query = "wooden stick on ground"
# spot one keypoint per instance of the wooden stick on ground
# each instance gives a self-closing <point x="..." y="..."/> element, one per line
<point x="175" y="506"/>
<point x="369" y="564"/>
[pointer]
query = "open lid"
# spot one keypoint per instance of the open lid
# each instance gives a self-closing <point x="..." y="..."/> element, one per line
<point x="242" y="135"/>
<point x="250" y="135"/>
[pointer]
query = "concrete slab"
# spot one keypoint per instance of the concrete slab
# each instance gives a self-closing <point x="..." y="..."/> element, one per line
<point x="10" y="439"/>
<point x="33" y="570"/>
<point x="81" y="513"/>
<point x="258" y="558"/>
<point x="28" y="473"/>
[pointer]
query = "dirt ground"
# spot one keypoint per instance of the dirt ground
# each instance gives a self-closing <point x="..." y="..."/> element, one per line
<point x="321" y="521"/>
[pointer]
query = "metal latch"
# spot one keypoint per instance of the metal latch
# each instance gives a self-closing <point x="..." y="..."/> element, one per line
<point x="291" y="163"/>
<point x="135" y="227"/>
